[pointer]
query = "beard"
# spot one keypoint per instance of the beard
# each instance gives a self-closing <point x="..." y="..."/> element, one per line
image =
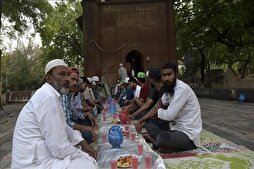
<point x="152" y="85"/>
<point x="64" y="90"/>
<point x="61" y="89"/>
<point x="168" y="86"/>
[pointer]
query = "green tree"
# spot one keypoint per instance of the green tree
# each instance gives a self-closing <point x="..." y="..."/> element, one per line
<point x="221" y="31"/>
<point x="20" y="13"/>
<point x="61" y="36"/>
<point x="22" y="68"/>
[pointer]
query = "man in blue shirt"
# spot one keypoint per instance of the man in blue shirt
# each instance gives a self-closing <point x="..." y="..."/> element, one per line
<point x="75" y="118"/>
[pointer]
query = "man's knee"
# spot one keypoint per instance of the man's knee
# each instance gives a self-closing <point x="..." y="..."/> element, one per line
<point x="88" y="136"/>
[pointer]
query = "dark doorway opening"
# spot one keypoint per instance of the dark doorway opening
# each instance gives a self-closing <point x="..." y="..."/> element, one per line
<point x="135" y="61"/>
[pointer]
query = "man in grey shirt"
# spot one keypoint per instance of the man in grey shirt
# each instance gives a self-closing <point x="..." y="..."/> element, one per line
<point x="122" y="72"/>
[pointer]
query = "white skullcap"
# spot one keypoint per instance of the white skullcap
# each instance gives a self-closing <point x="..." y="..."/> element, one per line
<point x="121" y="64"/>
<point x="126" y="80"/>
<point x="147" y="73"/>
<point x="95" y="79"/>
<point x="90" y="79"/>
<point x="53" y="63"/>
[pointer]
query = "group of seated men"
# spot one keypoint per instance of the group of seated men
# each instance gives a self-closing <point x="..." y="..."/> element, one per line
<point x="165" y="106"/>
<point x="42" y="138"/>
<point x="81" y="103"/>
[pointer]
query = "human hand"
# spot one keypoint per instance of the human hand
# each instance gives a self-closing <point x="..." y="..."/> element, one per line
<point x="91" y="118"/>
<point x="140" y="126"/>
<point x="130" y="117"/>
<point x="88" y="149"/>
<point x="94" y="135"/>
<point x="164" y="99"/>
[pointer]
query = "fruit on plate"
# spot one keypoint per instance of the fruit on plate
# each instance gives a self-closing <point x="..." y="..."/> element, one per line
<point x="124" y="161"/>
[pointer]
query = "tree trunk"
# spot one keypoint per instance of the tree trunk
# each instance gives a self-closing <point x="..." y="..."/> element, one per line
<point x="202" y="65"/>
<point x="245" y="66"/>
<point x="1" y="104"/>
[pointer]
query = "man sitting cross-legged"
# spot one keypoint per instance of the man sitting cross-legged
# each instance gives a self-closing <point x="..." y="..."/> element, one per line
<point x="139" y="101"/>
<point x="155" y="93"/>
<point x="183" y="108"/>
<point x="75" y="117"/>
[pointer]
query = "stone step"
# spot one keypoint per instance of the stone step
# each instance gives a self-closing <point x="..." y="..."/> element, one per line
<point x="6" y="136"/>
<point x="5" y="162"/>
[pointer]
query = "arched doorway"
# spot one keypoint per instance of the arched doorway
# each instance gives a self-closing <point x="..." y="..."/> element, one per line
<point x="135" y="61"/>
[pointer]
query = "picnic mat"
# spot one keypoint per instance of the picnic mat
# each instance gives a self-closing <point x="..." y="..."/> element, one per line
<point x="215" y="152"/>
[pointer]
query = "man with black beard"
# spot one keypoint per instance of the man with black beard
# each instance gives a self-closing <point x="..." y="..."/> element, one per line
<point x="180" y="105"/>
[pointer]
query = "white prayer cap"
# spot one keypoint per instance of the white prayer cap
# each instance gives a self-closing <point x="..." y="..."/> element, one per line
<point x="95" y="79"/>
<point x="90" y="79"/>
<point x="53" y="63"/>
<point x="126" y="80"/>
<point x="120" y="64"/>
<point x="147" y="73"/>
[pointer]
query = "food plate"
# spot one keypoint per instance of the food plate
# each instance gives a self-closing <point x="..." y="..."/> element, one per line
<point x="124" y="160"/>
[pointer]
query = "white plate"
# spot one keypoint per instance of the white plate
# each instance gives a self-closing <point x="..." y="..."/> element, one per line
<point x="124" y="155"/>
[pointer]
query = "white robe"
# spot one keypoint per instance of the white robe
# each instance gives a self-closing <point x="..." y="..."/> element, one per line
<point x="42" y="138"/>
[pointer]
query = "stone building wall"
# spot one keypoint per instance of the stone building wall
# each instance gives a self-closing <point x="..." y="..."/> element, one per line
<point x="137" y="33"/>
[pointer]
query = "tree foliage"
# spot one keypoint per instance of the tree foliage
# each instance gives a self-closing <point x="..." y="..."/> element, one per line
<point x="22" y="68"/>
<point x="21" y="12"/>
<point x="215" y="32"/>
<point x="61" y="36"/>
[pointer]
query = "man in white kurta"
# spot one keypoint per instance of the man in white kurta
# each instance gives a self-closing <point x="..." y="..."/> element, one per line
<point x="42" y="139"/>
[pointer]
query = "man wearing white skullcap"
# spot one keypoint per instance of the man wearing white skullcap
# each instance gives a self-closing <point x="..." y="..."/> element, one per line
<point x="95" y="79"/>
<point x="41" y="138"/>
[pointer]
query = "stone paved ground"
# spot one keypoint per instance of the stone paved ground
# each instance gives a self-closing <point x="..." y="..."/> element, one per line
<point x="228" y="119"/>
<point x="7" y="123"/>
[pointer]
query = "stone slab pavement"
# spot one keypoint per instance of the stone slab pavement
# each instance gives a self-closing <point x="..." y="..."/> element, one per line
<point x="227" y="119"/>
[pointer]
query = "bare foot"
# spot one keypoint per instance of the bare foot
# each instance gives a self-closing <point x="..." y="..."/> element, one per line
<point x="148" y="138"/>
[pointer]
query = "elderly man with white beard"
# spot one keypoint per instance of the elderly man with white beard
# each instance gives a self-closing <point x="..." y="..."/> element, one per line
<point x="42" y="138"/>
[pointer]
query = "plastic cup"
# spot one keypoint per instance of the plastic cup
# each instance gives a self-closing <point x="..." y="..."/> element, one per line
<point x="113" y="164"/>
<point x="129" y="121"/>
<point x="104" y="117"/>
<point x="140" y="149"/>
<point x="127" y="135"/>
<point x="134" y="162"/>
<point x="127" y="128"/>
<point x="133" y="136"/>
<point x="114" y="116"/>
<point x="148" y="161"/>
<point x="104" y="137"/>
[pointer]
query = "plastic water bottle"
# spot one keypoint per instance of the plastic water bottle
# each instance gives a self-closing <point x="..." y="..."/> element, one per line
<point x="242" y="98"/>
<point x="112" y="108"/>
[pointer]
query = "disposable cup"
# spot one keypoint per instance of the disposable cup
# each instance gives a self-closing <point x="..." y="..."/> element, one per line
<point x="113" y="164"/>
<point x="148" y="161"/>
<point x="127" y="135"/>
<point x="134" y="162"/>
<point x="133" y="136"/>
<point x="104" y="137"/>
<point x="140" y="149"/>
<point x="104" y="117"/>
<point x="127" y="128"/>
